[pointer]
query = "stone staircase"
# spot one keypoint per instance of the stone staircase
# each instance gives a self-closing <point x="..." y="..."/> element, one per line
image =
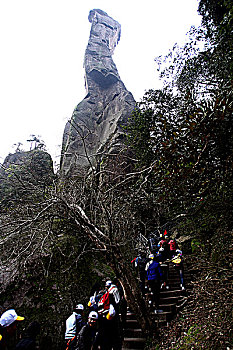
<point x="171" y="301"/>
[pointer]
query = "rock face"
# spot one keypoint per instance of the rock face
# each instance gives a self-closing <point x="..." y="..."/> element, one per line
<point x="24" y="173"/>
<point x="95" y="126"/>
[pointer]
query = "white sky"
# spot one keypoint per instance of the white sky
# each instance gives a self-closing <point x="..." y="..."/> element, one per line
<point x="43" y="44"/>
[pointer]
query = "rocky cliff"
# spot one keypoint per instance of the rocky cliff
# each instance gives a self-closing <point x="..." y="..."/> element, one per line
<point x="24" y="175"/>
<point x="95" y="126"/>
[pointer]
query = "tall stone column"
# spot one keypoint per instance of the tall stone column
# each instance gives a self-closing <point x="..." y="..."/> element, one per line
<point x="95" y="126"/>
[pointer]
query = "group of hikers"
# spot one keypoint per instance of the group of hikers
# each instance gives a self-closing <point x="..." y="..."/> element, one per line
<point x="107" y="305"/>
<point x="155" y="268"/>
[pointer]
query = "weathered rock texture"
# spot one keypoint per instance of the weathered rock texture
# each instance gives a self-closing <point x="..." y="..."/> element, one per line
<point x="24" y="174"/>
<point x="95" y="126"/>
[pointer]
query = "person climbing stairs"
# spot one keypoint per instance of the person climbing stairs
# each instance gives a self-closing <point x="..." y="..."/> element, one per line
<point x="170" y="302"/>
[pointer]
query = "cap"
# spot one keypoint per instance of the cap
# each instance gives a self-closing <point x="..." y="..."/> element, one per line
<point x="79" y="307"/>
<point x="9" y="317"/>
<point x="151" y="256"/>
<point x="93" y="315"/>
<point x="108" y="283"/>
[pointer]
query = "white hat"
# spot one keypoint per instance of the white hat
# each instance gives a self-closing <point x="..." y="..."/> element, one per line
<point x="108" y="283"/>
<point x="9" y="317"/>
<point x="151" y="256"/>
<point x="93" y="315"/>
<point x="79" y="307"/>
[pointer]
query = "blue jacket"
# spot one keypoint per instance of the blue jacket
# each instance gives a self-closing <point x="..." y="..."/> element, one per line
<point x="154" y="271"/>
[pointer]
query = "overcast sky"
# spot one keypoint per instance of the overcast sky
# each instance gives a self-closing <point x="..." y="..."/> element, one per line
<point x="42" y="50"/>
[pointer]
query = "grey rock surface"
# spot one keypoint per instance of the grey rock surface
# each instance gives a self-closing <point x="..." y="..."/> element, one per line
<point x="23" y="173"/>
<point x="95" y="126"/>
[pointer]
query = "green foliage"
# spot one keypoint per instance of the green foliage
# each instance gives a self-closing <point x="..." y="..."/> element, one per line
<point x="194" y="338"/>
<point x="190" y="149"/>
<point x="185" y="131"/>
<point x="138" y="135"/>
<point x="196" y="246"/>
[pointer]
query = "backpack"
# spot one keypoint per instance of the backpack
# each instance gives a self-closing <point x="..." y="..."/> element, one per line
<point x="172" y="244"/>
<point x="153" y="271"/>
<point x="104" y="302"/>
<point x="164" y="244"/>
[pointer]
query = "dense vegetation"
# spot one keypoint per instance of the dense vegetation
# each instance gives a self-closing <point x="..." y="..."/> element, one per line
<point x="182" y="135"/>
<point x="60" y="235"/>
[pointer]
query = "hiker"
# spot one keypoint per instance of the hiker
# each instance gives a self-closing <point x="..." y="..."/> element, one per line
<point x="154" y="275"/>
<point x="177" y="260"/>
<point x="164" y="267"/>
<point x="8" y="326"/>
<point x="173" y="246"/>
<point x="164" y="255"/>
<point x="28" y="342"/>
<point x="114" y="295"/>
<point x="87" y="338"/>
<point x="109" y="330"/>
<point x="163" y="243"/>
<point x="140" y="264"/>
<point x="153" y="243"/>
<point x="73" y="325"/>
<point x="109" y="321"/>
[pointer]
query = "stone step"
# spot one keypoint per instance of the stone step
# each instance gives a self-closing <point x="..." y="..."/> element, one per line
<point x="134" y="343"/>
<point x="173" y="278"/>
<point x="162" y="316"/>
<point x="175" y="274"/>
<point x="160" y="323"/>
<point x="169" y="300"/>
<point x="173" y="286"/>
<point x="168" y="307"/>
<point x="166" y="293"/>
<point x="167" y="312"/>
<point x="133" y="332"/>
<point x="132" y="323"/>
<point x="171" y="292"/>
<point x="174" y="289"/>
<point x="130" y="316"/>
<point x="165" y="315"/>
